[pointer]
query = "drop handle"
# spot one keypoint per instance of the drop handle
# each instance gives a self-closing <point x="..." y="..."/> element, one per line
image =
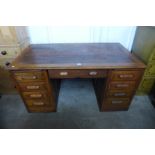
<point x="63" y="73"/>
<point x="3" y="52"/>
<point x="38" y="103"/>
<point x="120" y="94"/>
<point x="36" y="95"/>
<point x="28" y="77"/>
<point x="93" y="73"/>
<point x="34" y="77"/>
<point x="121" y="85"/>
<point x="126" y="76"/>
<point x="32" y="87"/>
<point x="117" y="102"/>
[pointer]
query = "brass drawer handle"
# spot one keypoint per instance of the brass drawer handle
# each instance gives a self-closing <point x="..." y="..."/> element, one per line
<point x="36" y="95"/>
<point x="38" y="103"/>
<point x="34" y="77"/>
<point x="122" y="85"/>
<point x="93" y="73"/>
<point x="28" y="77"/>
<point x="126" y="76"/>
<point x="119" y="94"/>
<point x="63" y="73"/>
<point x="32" y="87"/>
<point x="117" y="102"/>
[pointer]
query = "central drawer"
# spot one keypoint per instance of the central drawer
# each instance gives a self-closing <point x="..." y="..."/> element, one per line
<point x="77" y="73"/>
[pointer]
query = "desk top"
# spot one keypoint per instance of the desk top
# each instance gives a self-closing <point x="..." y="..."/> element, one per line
<point x="76" y="56"/>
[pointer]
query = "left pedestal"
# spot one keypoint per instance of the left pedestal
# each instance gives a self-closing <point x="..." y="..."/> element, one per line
<point x="36" y="90"/>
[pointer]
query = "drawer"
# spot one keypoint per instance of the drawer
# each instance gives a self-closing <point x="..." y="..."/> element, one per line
<point x="125" y="85"/>
<point x="9" y="52"/>
<point x="125" y="75"/>
<point x="29" y="76"/>
<point x="150" y="70"/>
<point x="108" y="107"/>
<point x="77" y="73"/>
<point x="117" y="101"/>
<point x="37" y="103"/>
<point x="119" y="93"/>
<point x="36" y="86"/>
<point x="35" y="95"/>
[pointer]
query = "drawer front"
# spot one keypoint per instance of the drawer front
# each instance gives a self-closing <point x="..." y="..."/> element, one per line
<point x="117" y="101"/>
<point x="37" y="103"/>
<point x="108" y="107"/>
<point x="126" y="85"/>
<point x="117" y="94"/>
<point x="29" y="76"/>
<point x="150" y="70"/>
<point x="35" y="95"/>
<point x="125" y="75"/>
<point x="77" y="73"/>
<point x="37" y="86"/>
<point x="6" y="52"/>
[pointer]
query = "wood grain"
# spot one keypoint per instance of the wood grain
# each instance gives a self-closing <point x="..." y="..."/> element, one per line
<point x="76" y="56"/>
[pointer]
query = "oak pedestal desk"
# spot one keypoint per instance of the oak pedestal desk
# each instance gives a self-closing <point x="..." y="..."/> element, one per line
<point x="114" y="71"/>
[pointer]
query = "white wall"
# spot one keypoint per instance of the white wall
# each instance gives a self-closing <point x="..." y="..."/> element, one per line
<point x="76" y="34"/>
